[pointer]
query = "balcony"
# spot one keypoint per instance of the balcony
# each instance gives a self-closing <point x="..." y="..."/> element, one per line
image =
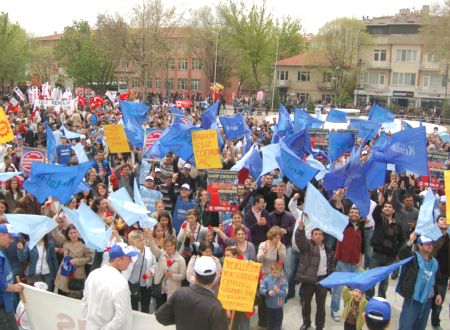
<point x="372" y="87"/>
<point x="283" y="83"/>
<point x="430" y="66"/>
<point x="374" y="65"/>
<point x="325" y="86"/>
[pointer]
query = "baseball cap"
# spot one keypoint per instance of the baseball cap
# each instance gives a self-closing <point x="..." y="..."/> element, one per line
<point x="157" y="170"/>
<point x="6" y="228"/>
<point x="149" y="177"/>
<point x="82" y="136"/>
<point x="443" y="199"/>
<point x="186" y="186"/>
<point x="424" y="240"/>
<point x="121" y="249"/>
<point x="205" y="266"/>
<point x="378" y="309"/>
<point x="67" y="268"/>
<point x="188" y="166"/>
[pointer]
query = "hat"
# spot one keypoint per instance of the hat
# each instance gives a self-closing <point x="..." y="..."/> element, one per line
<point x="82" y="136"/>
<point x="186" y="186"/>
<point x="205" y="266"/>
<point x="67" y="268"/>
<point x="424" y="240"/>
<point x="364" y="152"/>
<point x="443" y="199"/>
<point x="120" y="250"/>
<point x="188" y="166"/>
<point x="157" y="170"/>
<point x="149" y="177"/>
<point x="6" y="228"/>
<point x="378" y="309"/>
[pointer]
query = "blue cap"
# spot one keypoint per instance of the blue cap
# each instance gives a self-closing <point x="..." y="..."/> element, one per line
<point x="6" y="228"/>
<point x="67" y="268"/>
<point x="378" y="309"/>
<point x="120" y="250"/>
<point x="424" y="240"/>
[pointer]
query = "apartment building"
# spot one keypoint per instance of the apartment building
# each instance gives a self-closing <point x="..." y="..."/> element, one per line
<point x="397" y="69"/>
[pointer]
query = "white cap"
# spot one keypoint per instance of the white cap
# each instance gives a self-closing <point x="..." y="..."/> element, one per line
<point x="186" y="186"/>
<point x="188" y="166"/>
<point x="149" y="177"/>
<point x="443" y="199"/>
<point x="82" y="136"/>
<point x="157" y="169"/>
<point x="205" y="266"/>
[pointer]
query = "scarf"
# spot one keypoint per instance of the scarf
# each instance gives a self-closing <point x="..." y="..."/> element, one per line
<point x="425" y="278"/>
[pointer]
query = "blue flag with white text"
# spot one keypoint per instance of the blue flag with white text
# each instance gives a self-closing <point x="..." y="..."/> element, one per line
<point x="304" y="120"/>
<point x="233" y="126"/>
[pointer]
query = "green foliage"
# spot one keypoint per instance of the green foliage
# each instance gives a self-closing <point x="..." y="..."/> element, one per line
<point x="435" y="32"/>
<point x="310" y="105"/>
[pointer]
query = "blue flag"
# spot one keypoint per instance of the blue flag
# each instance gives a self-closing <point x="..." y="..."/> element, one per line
<point x="407" y="149"/>
<point x="210" y="115"/>
<point x="144" y="170"/>
<point x="269" y="158"/>
<point x="5" y="176"/>
<point x="144" y="222"/>
<point x="366" y="128"/>
<point x="322" y="215"/>
<point x="233" y="126"/>
<point x="362" y="281"/>
<point x="35" y="226"/>
<point x="135" y="109"/>
<point x="219" y="136"/>
<point x="123" y="204"/>
<point x="298" y="172"/>
<point x="339" y="143"/>
<point x="133" y="129"/>
<point x="376" y="175"/>
<point x="247" y="138"/>
<point x="69" y="134"/>
<point x="284" y="125"/>
<point x="304" y="120"/>
<point x="90" y="226"/>
<point x="318" y="165"/>
<point x="425" y="221"/>
<point x="254" y="164"/>
<point x="51" y="144"/>
<point x="83" y="186"/>
<point x="336" y="116"/>
<point x="54" y="180"/>
<point x="181" y="119"/>
<point x="94" y="119"/>
<point x="380" y="115"/>
<point x="405" y="125"/>
<point x="299" y="143"/>
<point x="177" y="111"/>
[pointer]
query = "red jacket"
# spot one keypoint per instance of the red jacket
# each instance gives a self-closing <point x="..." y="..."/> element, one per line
<point x="352" y="246"/>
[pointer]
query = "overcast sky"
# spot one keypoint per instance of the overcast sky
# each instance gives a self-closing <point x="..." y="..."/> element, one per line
<point x="44" y="17"/>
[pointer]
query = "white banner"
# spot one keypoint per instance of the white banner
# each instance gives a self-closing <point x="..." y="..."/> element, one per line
<point x="46" y="310"/>
<point x="45" y="90"/>
<point x="19" y="93"/>
<point x="111" y="95"/>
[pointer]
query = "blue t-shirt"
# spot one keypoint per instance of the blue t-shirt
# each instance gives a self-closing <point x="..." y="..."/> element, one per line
<point x="180" y="210"/>
<point x="149" y="197"/>
<point x="63" y="153"/>
<point x="6" y="278"/>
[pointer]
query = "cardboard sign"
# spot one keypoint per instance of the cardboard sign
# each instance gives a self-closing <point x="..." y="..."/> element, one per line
<point x="222" y="189"/>
<point x="116" y="138"/>
<point x="206" y="149"/>
<point x="437" y="163"/>
<point x="238" y="284"/>
<point x="319" y="138"/>
<point x="31" y="155"/>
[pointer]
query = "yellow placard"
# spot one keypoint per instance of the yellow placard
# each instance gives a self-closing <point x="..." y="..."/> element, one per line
<point x="238" y="284"/>
<point x="6" y="133"/>
<point x="116" y="138"/>
<point x="447" y="194"/>
<point x="206" y="149"/>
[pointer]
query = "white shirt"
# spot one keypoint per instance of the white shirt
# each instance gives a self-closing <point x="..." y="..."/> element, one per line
<point x="42" y="265"/>
<point x="106" y="302"/>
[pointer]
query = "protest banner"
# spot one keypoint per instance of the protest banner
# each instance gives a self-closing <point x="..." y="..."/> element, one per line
<point x="437" y="163"/>
<point x="183" y="104"/>
<point x="206" y="149"/>
<point x="447" y="193"/>
<point x="238" y="284"/>
<point x="319" y="138"/>
<point x="116" y="138"/>
<point x="432" y="182"/>
<point x="151" y="136"/>
<point x="66" y="313"/>
<point x="222" y="189"/>
<point x="31" y="155"/>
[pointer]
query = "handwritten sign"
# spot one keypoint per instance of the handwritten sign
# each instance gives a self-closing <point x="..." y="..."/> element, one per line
<point x="206" y="149"/>
<point x="238" y="284"/>
<point x="117" y="140"/>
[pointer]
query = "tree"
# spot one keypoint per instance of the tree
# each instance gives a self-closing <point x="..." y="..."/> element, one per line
<point x="435" y="31"/>
<point x="43" y="61"/>
<point x="15" y="50"/>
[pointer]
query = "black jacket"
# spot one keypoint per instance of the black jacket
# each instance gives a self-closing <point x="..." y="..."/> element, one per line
<point x="193" y="308"/>
<point x="380" y="241"/>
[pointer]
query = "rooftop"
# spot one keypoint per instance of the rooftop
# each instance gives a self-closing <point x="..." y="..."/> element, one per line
<point x="306" y="59"/>
<point x="403" y="17"/>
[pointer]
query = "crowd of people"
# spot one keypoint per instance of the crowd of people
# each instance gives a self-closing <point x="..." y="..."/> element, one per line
<point x="270" y="228"/>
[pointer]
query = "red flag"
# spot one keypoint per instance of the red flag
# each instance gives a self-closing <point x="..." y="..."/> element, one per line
<point x="81" y="101"/>
<point x="124" y="97"/>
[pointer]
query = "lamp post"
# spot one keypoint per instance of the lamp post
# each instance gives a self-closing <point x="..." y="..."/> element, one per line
<point x="274" y="75"/>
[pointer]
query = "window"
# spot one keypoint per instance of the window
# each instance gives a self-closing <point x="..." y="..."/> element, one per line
<point x="171" y="64"/>
<point x="431" y="58"/>
<point x="135" y="82"/>
<point x="327" y="77"/>
<point x="157" y="83"/>
<point x="182" y="83"/>
<point x="196" y="64"/>
<point x="327" y="98"/>
<point x="182" y="45"/>
<point x="195" y="84"/>
<point x="282" y="75"/>
<point x="379" y="55"/>
<point x="406" y="79"/>
<point x="169" y="83"/>
<point x="373" y="78"/>
<point x="432" y="80"/>
<point x="182" y="64"/>
<point x="406" y="55"/>
<point x="303" y="76"/>
<point x="149" y="83"/>
<point x="302" y="97"/>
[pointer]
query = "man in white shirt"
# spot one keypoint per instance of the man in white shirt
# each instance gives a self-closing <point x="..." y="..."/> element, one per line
<point x="106" y="302"/>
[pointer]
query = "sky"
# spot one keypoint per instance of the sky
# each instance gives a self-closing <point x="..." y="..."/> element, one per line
<point x="45" y="17"/>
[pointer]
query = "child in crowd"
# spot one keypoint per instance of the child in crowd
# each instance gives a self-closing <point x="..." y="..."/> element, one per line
<point x="355" y="304"/>
<point x="274" y="287"/>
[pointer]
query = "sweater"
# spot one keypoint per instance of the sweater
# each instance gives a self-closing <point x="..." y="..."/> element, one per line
<point x="351" y="247"/>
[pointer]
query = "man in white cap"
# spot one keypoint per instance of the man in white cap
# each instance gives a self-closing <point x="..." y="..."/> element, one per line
<point x="181" y="203"/>
<point x="149" y="194"/>
<point x="7" y="287"/>
<point x="417" y="283"/>
<point x="106" y="301"/>
<point x="205" y="311"/>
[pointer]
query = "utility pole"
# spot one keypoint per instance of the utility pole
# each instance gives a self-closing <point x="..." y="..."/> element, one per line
<point x="274" y="75"/>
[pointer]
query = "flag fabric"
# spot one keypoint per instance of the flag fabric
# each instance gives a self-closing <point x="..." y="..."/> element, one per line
<point x="123" y="204"/>
<point x="317" y="165"/>
<point x="322" y="215"/>
<point x="144" y="222"/>
<point x="83" y="186"/>
<point x="55" y="180"/>
<point x="233" y="126"/>
<point x="362" y="281"/>
<point x="336" y="116"/>
<point x="247" y="137"/>
<point x="299" y="143"/>
<point x="381" y="141"/>
<point x="135" y="109"/>
<point x="133" y="129"/>
<point x="339" y="143"/>
<point x="177" y="111"/>
<point x="35" y="226"/>
<point x="6" y="133"/>
<point x="69" y="134"/>
<point x="209" y="116"/>
<point x="407" y="149"/>
<point x="144" y="170"/>
<point x="5" y="176"/>
<point x="51" y="144"/>
<point x="252" y="162"/>
<point x="269" y="158"/>
<point x="81" y="153"/>
<point x="94" y="119"/>
<point x="304" y="120"/>
<point x="182" y="119"/>
<point x="406" y="125"/>
<point x="376" y="175"/>
<point x="284" y="125"/>
<point x="219" y="136"/>
<point x="366" y="128"/>
<point x="90" y="226"/>
<point x="425" y="221"/>
<point x="294" y="168"/>
<point x="380" y="115"/>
